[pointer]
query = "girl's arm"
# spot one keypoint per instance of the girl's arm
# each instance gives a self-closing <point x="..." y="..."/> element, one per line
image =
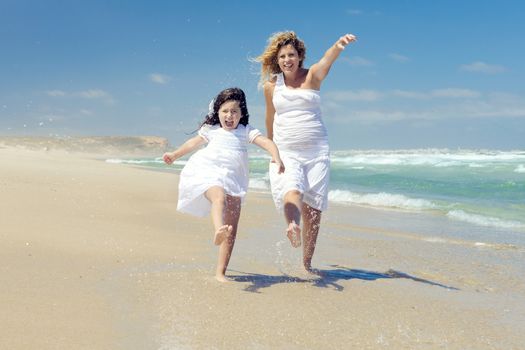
<point x="270" y="109"/>
<point x="320" y="70"/>
<point x="185" y="148"/>
<point x="268" y="145"/>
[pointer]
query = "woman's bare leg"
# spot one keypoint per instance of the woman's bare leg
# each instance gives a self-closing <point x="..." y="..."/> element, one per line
<point x="311" y="224"/>
<point x="232" y="213"/>
<point x="293" y="202"/>
<point x="217" y="198"/>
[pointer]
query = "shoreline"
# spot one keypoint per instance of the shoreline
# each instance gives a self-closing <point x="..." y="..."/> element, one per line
<point x="96" y="256"/>
<point x="495" y="212"/>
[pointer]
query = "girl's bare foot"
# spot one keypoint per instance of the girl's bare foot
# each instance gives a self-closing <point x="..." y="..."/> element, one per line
<point x="222" y="233"/>
<point x="294" y="234"/>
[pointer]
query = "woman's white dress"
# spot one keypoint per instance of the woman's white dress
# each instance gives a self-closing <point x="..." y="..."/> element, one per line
<point x="300" y="134"/>
<point x="223" y="162"/>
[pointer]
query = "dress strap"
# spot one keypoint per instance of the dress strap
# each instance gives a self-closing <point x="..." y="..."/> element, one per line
<point x="280" y="79"/>
<point x="279" y="82"/>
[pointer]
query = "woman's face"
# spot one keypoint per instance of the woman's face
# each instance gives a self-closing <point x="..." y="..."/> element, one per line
<point x="230" y="115"/>
<point x="288" y="59"/>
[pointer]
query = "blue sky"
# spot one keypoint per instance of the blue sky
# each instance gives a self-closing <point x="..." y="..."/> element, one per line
<point x="422" y="74"/>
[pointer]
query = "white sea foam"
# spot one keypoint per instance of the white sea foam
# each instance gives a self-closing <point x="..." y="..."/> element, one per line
<point x="482" y="220"/>
<point x="430" y="157"/>
<point x="381" y="199"/>
<point x="477" y="165"/>
<point x="259" y="184"/>
<point x="133" y="161"/>
<point x="142" y="161"/>
<point x="436" y="240"/>
<point x="520" y="169"/>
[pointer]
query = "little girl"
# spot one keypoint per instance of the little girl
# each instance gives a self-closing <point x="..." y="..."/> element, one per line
<point x="216" y="177"/>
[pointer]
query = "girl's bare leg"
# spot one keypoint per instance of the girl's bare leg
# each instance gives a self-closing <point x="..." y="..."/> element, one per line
<point x="232" y="213"/>
<point x="293" y="202"/>
<point x="311" y="224"/>
<point x="217" y="198"/>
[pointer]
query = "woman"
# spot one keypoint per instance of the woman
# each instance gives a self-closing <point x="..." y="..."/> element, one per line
<point x="294" y="123"/>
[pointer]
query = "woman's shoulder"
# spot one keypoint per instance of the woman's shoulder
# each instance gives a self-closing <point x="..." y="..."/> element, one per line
<point x="269" y="85"/>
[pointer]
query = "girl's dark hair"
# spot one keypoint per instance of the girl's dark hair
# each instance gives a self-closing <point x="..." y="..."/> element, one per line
<point x="230" y="94"/>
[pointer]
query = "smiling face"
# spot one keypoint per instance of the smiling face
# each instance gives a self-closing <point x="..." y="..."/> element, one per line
<point x="288" y="59"/>
<point x="230" y="114"/>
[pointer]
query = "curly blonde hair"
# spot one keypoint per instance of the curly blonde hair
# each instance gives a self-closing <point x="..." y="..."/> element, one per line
<point x="268" y="59"/>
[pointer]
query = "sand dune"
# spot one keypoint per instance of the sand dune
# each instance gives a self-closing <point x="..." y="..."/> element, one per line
<point x="103" y="145"/>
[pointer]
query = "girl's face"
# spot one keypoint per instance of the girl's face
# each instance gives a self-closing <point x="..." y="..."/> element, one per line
<point x="288" y="59"/>
<point x="230" y="115"/>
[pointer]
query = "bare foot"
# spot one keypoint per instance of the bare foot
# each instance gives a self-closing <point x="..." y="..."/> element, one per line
<point x="294" y="234"/>
<point x="310" y="271"/>
<point x="222" y="278"/>
<point x="222" y="233"/>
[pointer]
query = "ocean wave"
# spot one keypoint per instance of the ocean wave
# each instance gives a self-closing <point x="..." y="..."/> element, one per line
<point x="148" y="161"/>
<point x="429" y="157"/>
<point x="482" y="220"/>
<point x="396" y="201"/>
<point x="381" y="199"/>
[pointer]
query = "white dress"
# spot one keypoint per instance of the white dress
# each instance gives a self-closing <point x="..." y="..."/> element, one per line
<point x="223" y="162"/>
<point x="300" y="134"/>
<point x="297" y="124"/>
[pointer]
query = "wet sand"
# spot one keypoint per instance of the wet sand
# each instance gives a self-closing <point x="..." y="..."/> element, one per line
<point x="94" y="256"/>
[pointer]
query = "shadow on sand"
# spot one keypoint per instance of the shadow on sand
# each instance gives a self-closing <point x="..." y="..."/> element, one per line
<point x="325" y="278"/>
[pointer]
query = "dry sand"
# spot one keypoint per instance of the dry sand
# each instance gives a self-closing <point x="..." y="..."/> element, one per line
<point x="94" y="256"/>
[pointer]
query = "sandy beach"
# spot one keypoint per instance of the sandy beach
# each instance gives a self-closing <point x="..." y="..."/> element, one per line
<point x="95" y="256"/>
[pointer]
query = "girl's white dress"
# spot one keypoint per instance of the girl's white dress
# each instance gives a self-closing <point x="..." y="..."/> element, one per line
<point x="223" y="162"/>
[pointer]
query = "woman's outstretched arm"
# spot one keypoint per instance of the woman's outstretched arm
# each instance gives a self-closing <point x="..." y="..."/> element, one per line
<point x="320" y="70"/>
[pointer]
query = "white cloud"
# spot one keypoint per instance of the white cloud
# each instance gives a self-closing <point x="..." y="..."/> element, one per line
<point x="56" y="93"/>
<point x="86" y="94"/>
<point x="409" y="94"/>
<point x="357" y="61"/>
<point x="482" y="67"/>
<point x="457" y="111"/>
<point x="374" y="95"/>
<point x="378" y="115"/>
<point x="159" y="78"/>
<point x="398" y="57"/>
<point x="341" y="106"/>
<point x="93" y="93"/>
<point x="354" y="12"/>
<point x="357" y="95"/>
<point x="455" y="93"/>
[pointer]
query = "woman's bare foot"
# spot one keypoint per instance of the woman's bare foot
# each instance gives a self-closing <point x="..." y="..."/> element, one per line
<point x="222" y="233"/>
<point x="311" y="271"/>
<point x="294" y="234"/>
<point x="222" y="278"/>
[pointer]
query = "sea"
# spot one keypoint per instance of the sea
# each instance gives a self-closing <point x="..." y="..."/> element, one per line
<point x="482" y="188"/>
